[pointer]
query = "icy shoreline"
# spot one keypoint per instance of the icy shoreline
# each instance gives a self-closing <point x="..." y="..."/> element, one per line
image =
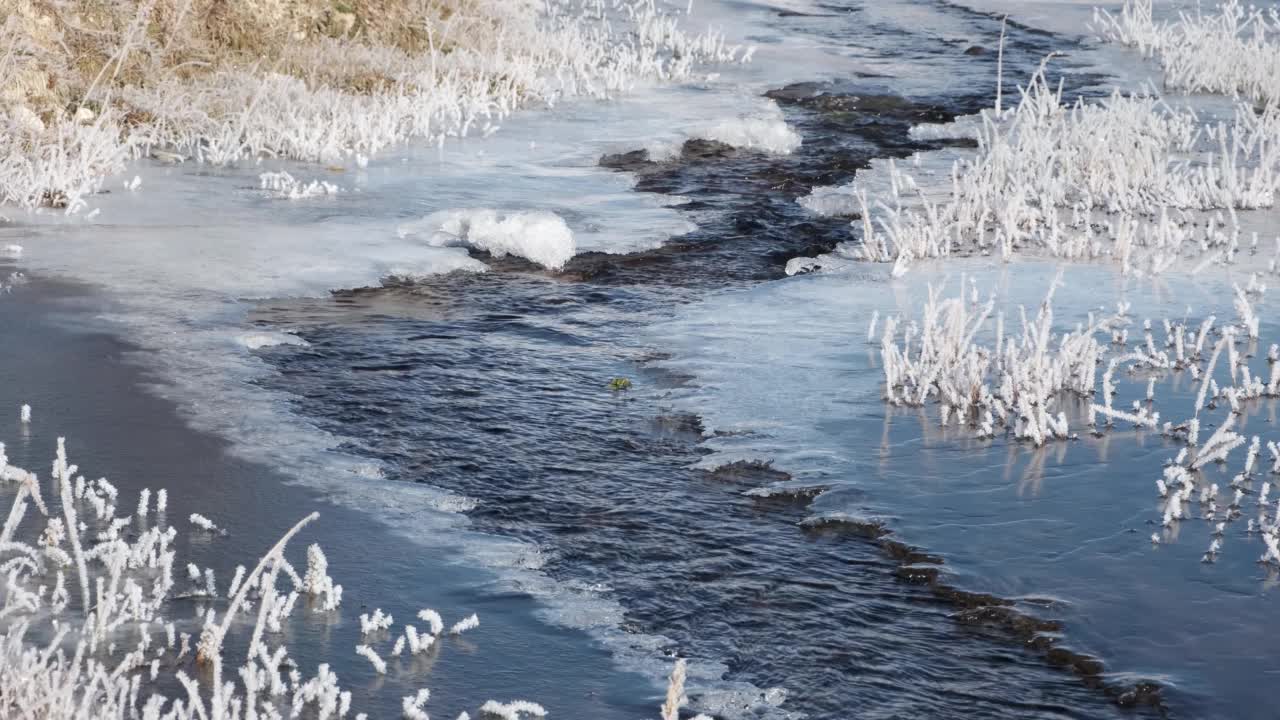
<point x="104" y="415"/>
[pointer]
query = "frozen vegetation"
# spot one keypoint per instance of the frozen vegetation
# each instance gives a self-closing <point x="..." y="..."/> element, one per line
<point x="99" y="84"/>
<point x="1148" y="197"/>
<point x="1231" y="50"/>
<point x="86" y="627"/>
<point x="959" y="357"/>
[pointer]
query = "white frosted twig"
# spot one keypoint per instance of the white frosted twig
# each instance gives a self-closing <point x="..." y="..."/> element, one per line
<point x="513" y="710"/>
<point x="203" y="523"/>
<point x="373" y="623"/>
<point x="675" y="692"/>
<point x="379" y="665"/>
<point x="470" y="622"/>
<point x="433" y="619"/>
<point x="412" y="705"/>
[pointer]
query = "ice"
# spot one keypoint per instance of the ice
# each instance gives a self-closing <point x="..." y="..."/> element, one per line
<point x="832" y="201"/>
<point x="769" y="133"/>
<point x="965" y="127"/>
<point x="259" y="340"/>
<point x="540" y="236"/>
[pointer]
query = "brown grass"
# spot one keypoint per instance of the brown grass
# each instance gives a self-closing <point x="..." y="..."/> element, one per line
<point x="69" y="54"/>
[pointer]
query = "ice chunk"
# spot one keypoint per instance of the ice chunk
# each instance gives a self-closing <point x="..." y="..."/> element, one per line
<point x="832" y="201"/>
<point x="965" y="127"/>
<point x="257" y="340"/>
<point x="767" y="132"/>
<point x="540" y="236"/>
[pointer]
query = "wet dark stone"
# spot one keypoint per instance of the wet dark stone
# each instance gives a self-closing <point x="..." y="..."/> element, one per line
<point x="1081" y="664"/>
<point x="700" y="149"/>
<point x="975" y="50"/>
<point x="789" y="499"/>
<point x="831" y="98"/>
<point x="754" y="472"/>
<point x="918" y="574"/>
<point x="844" y="525"/>
<point x="966" y="599"/>
<point x="1144" y="694"/>
<point x="796" y="92"/>
<point x="634" y="161"/>
<point x="1008" y="619"/>
<point x="680" y="423"/>
<point x="906" y="554"/>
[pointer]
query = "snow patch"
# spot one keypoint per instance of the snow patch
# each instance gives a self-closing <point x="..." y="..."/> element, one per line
<point x="802" y="265"/>
<point x="965" y="127"/>
<point x="259" y="340"/>
<point x="767" y="132"/>
<point x="540" y="236"/>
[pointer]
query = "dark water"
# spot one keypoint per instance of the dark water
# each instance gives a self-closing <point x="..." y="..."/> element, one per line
<point x="496" y="386"/>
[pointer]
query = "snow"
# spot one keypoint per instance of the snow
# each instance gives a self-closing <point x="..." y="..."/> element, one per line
<point x="965" y="127"/>
<point x="259" y="340"/>
<point x="539" y="236"/>
<point x="770" y="134"/>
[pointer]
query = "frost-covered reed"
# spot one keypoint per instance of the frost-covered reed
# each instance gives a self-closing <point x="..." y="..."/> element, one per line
<point x="86" y="629"/>
<point x="958" y="356"/>
<point x="1014" y="384"/>
<point x="283" y="185"/>
<point x="1128" y="179"/>
<point x="1233" y="50"/>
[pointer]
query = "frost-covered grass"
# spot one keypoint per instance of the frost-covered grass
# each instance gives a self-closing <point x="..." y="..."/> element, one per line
<point x="283" y="185"/>
<point x="308" y="92"/>
<point x="1017" y="385"/>
<point x="1128" y="179"/>
<point x="1013" y="384"/>
<point x="1233" y="50"/>
<point x="86" y="629"/>
<point x="960" y="355"/>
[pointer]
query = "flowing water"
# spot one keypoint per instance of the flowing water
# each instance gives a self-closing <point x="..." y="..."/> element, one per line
<point x="622" y="523"/>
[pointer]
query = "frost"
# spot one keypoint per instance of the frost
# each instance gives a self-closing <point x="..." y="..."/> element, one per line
<point x="283" y="185"/>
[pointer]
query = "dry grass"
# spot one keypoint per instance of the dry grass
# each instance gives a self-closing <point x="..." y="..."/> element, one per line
<point x="67" y="54"/>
